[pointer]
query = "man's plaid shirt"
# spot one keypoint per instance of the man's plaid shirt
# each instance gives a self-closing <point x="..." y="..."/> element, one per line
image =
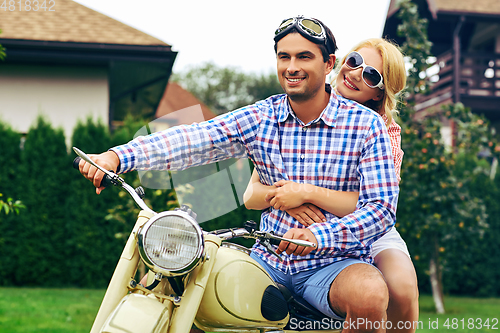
<point x="346" y="149"/>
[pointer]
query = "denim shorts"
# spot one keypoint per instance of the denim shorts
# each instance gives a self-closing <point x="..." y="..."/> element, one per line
<point x="312" y="285"/>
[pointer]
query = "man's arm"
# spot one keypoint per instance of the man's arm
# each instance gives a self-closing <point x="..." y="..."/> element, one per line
<point x="184" y="146"/>
<point x="181" y="147"/>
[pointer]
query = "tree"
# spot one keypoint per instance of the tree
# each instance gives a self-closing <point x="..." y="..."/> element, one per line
<point x="91" y="242"/>
<point x="9" y="204"/>
<point x="225" y="89"/>
<point x="11" y="186"/>
<point x="416" y="48"/>
<point x="436" y="209"/>
<point x="9" y="160"/>
<point x="44" y="172"/>
<point x="2" y="50"/>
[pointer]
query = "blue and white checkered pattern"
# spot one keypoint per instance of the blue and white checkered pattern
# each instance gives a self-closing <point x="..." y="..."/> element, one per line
<point x="346" y="149"/>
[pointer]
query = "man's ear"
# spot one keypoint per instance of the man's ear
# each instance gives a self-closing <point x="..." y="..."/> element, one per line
<point x="330" y="64"/>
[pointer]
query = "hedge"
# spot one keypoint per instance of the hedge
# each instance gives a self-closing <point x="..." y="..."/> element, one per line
<point x="70" y="237"/>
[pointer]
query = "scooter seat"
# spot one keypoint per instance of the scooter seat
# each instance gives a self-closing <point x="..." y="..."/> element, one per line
<point x="301" y="311"/>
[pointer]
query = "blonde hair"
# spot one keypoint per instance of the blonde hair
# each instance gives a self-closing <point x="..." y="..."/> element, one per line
<point x="393" y="72"/>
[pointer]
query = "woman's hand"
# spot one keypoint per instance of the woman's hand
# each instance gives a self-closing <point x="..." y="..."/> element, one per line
<point x="307" y="214"/>
<point x="288" y="194"/>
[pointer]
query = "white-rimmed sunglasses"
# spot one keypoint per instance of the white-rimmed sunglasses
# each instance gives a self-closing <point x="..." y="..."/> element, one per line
<point x="371" y="76"/>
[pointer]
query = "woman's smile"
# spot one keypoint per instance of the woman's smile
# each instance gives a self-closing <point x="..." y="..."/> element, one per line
<point x="349" y="83"/>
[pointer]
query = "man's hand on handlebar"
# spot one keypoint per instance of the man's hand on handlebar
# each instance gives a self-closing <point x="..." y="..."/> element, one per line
<point x="108" y="160"/>
<point x="296" y="233"/>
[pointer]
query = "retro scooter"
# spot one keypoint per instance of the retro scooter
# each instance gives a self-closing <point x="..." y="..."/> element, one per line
<point x="197" y="278"/>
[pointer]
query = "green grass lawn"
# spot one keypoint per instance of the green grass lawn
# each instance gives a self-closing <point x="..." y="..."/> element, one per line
<point x="48" y="310"/>
<point x="463" y="314"/>
<point x="73" y="310"/>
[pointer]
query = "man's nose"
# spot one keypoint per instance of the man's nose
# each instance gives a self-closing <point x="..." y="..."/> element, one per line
<point x="293" y="66"/>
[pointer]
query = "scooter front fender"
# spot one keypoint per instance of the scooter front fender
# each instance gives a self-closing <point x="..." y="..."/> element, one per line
<point x="184" y="314"/>
<point x="138" y="313"/>
<point x="124" y="271"/>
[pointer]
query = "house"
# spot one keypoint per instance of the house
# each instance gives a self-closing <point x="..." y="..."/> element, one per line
<point x="179" y="107"/>
<point x="72" y="62"/>
<point x="466" y="42"/>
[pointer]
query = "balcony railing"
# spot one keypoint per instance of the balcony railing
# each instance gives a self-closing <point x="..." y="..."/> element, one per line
<point x="479" y="76"/>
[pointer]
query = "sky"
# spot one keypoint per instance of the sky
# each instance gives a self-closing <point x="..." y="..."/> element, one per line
<point x="240" y="34"/>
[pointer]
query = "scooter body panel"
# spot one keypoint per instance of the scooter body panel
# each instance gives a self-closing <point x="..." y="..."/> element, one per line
<point x="234" y="294"/>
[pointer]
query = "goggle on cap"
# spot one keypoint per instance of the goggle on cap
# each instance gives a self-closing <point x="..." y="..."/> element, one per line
<point x="309" y="28"/>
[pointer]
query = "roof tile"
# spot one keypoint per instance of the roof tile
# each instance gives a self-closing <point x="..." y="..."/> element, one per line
<point x="177" y="98"/>
<point x="69" y="22"/>
<point x="468" y="6"/>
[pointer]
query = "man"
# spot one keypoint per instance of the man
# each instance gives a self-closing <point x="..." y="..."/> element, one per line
<point x="309" y="135"/>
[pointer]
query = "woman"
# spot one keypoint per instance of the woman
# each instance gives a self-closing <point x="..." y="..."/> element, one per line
<point x="372" y="74"/>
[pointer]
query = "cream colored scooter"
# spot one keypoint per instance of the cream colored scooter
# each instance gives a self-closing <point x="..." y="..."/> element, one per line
<point x="197" y="278"/>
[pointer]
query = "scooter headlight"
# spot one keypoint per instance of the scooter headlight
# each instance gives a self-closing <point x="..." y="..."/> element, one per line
<point x="171" y="243"/>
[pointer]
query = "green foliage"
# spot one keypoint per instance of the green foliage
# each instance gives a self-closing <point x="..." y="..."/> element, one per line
<point x="467" y="267"/>
<point x="101" y="224"/>
<point x="2" y="50"/>
<point x="447" y="207"/>
<point x="67" y="236"/>
<point x="438" y="213"/>
<point x="44" y="173"/>
<point x="416" y="49"/>
<point x="473" y="263"/>
<point x="126" y="132"/>
<point x="9" y="160"/>
<point x="225" y="89"/>
<point x="10" y="205"/>
<point x="92" y="245"/>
